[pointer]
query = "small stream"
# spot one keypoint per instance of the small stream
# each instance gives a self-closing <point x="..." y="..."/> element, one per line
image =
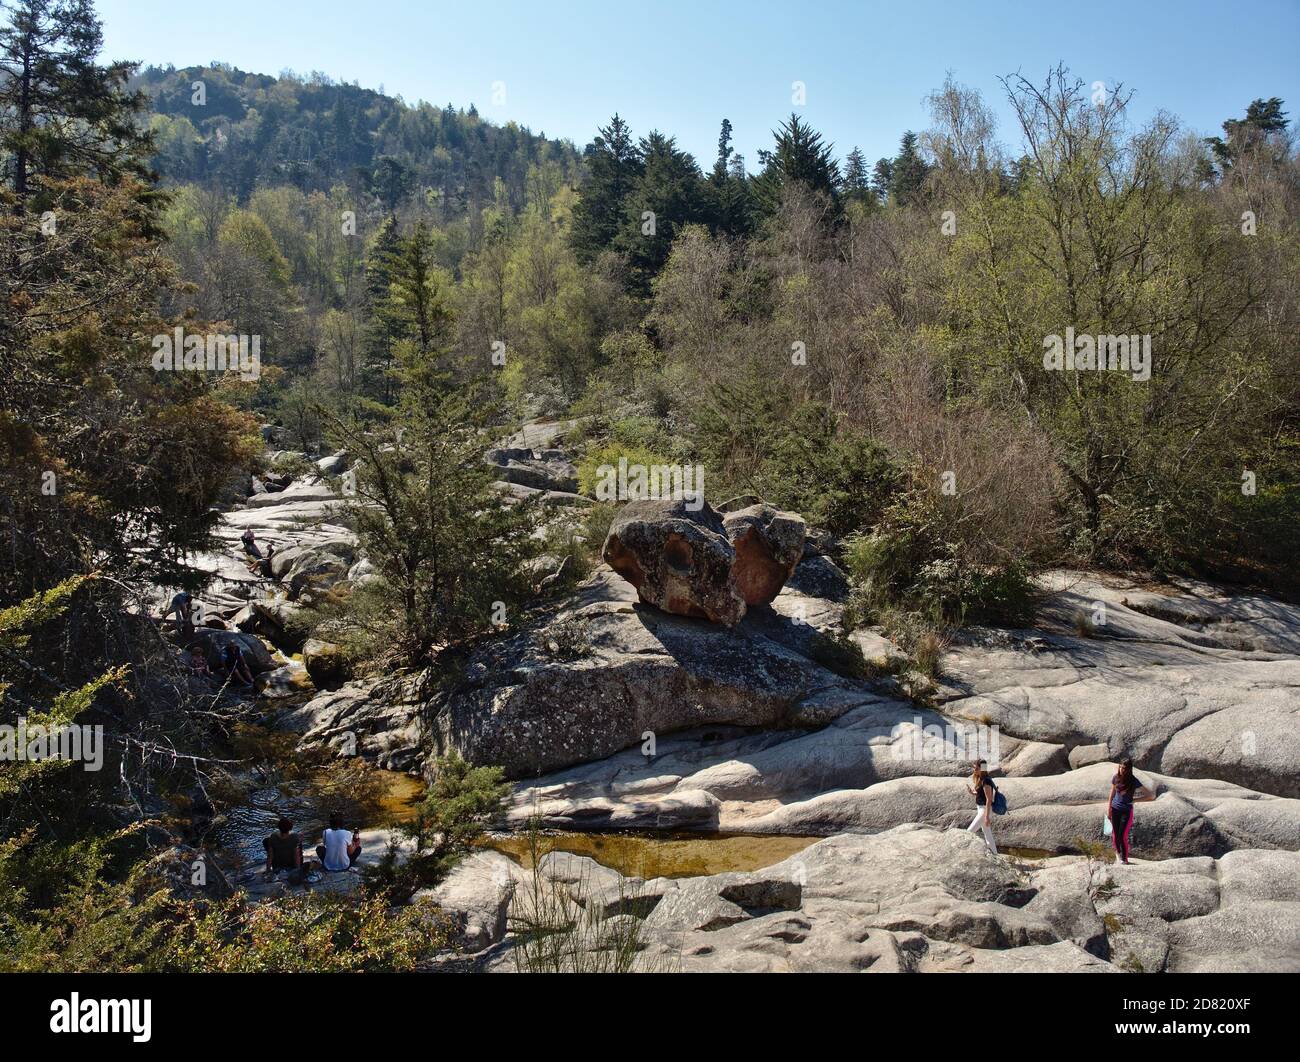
<point x="309" y="799"/>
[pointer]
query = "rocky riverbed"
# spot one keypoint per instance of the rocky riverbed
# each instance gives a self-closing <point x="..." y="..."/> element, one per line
<point x="663" y="722"/>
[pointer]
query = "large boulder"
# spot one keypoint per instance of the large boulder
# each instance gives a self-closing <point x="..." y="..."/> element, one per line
<point x="686" y="558"/>
<point x="768" y="544"/>
<point x="677" y="555"/>
<point x="214" y="641"/>
<point x="596" y="677"/>
<point x="327" y="663"/>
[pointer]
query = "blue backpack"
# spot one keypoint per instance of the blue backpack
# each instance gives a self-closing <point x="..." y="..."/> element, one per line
<point x="999" y="801"/>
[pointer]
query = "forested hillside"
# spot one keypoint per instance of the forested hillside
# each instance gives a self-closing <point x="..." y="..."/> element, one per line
<point x="242" y="130"/>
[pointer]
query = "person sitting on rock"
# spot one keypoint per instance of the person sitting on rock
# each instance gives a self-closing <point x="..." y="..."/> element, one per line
<point x="1125" y="789"/>
<point x="250" y="544"/>
<point x="236" y="667"/>
<point x="264" y="567"/>
<point x="284" y="852"/>
<point x="341" y="847"/>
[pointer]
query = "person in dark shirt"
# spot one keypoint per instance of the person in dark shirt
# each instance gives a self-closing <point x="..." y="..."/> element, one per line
<point x="982" y="789"/>
<point x="232" y="659"/>
<point x="182" y="606"/>
<point x="264" y="567"/>
<point x="250" y="544"/>
<point x="284" y="850"/>
<point x="1125" y="789"/>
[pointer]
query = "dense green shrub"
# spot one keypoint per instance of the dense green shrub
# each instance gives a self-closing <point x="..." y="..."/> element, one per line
<point x="905" y="564"/>
<point x="797" y="455"/>
<point x="602" y="457"/>
<point x="456" y="812"/>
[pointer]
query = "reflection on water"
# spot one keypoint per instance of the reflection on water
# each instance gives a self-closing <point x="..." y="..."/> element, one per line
<point x="1034" y="854"/>
<point x="661" y="856"/>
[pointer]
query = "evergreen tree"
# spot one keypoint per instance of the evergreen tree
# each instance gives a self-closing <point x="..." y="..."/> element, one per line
<point x="614" y="164"/>
<point x="857" y="183"/>
<point x="64" y="113"/>
<point x="881" y="175"/>
<point x="384" y="328"/>
<point x="390" y="182"/>
<point x="731" y="209"/>
<point x="103" y="460"/>
<point x="799" y="155"/>
<point x="668" y="195"/>
<point x="1263" y="117"/>
<point x="720" y="167"/>
<point x="908" y="173"/>
<point x="417" y="306"/>
<point x="447" y="546"/>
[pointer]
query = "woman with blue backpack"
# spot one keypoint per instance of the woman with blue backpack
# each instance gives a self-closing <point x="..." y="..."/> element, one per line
<point x="987" y="799"/>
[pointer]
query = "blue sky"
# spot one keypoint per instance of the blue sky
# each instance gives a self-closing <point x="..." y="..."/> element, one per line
<point x="684" y="65"/>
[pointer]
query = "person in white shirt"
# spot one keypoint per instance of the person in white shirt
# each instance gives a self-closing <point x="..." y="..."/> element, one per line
<point x="341" y="847"/>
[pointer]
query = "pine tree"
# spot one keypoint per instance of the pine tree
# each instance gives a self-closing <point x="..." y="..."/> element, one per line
<point x="103" y="460"/>
<point x="908" y="172"/>
<point x="881" y="176"/>
<point x="731" y="210"/>
<point x="720" y="167"/>
<point x="417" y="307"/>
<point x="614" y="164"/>
<point x="391" y="181"/>
<point x="799" y="155"/>
<point x="64" y="113"/>
<point x="1240" y="134"/>
<point x="857" y="184"/>
<point x="668" y="195"/>
<point x="383" y="329"/>
<point x="448" y="547"/>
